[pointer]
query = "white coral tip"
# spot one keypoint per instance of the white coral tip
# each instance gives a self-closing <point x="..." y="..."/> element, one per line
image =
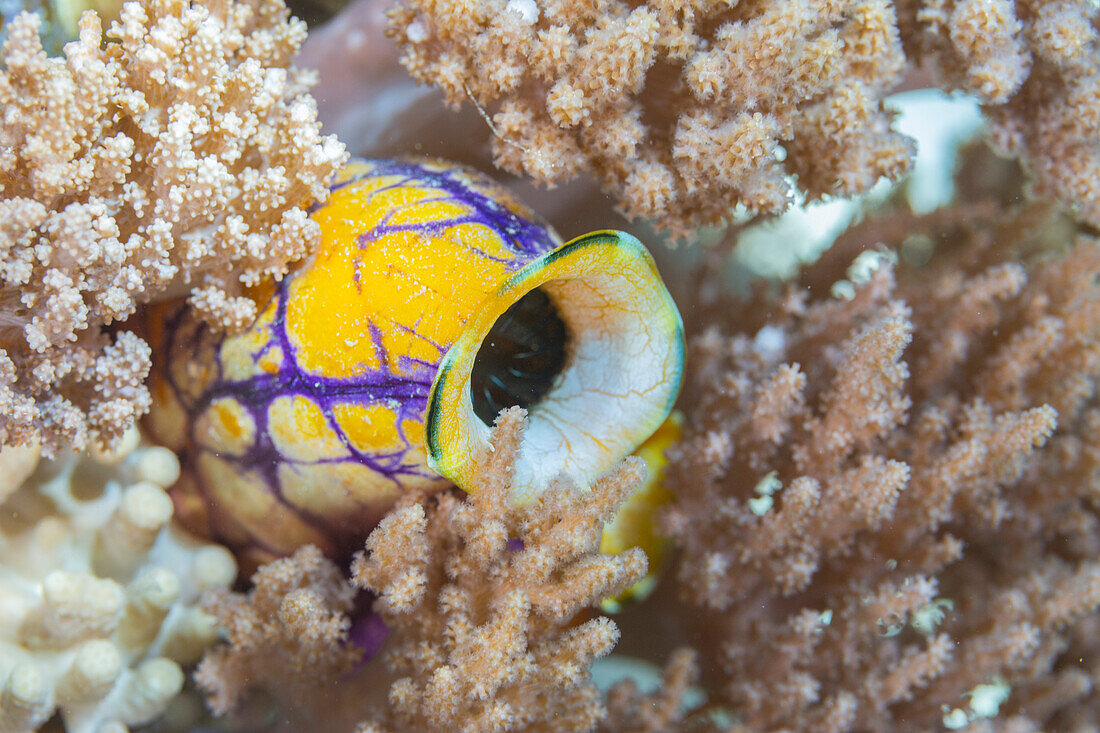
<point x="133" y="528"/>
<point x="214" y="567"/>
<point x="191" y="635"/>
<point x="149" y="599"/>
<point x="153" y="686"/>
<point x="92" y="674"/>
<point x="157" y="465"/>
<point x="25" y="702"/>
<point x="145" y="507"/>
<point x="75" y="606"/>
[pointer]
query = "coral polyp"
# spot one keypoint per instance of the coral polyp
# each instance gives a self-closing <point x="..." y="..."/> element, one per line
<point x="435" y="300"/>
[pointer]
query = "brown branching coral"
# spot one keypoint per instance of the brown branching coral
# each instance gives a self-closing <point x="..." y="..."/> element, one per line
<point x="174" y="153"/>
<point x="662" y="710"/>
<point x="887" y="501"/>
<point x="683" y="110"/>
<point x="288" y="635"/>
<point x="1035" y="66"/>
<point x="485" y="603"/>
<point x="481" y="596"/>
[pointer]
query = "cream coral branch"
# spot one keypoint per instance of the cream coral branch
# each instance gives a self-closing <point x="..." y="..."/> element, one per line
<point x="174" y="152"/>
<point x="100" y="591"/>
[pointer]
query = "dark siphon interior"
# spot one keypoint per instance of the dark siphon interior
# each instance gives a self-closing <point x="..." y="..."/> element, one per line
<point x="519" y="359"/>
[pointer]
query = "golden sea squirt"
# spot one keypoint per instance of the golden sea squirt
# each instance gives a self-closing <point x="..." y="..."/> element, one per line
<point x="375" y="368"/>
<point x="633" y="525"/>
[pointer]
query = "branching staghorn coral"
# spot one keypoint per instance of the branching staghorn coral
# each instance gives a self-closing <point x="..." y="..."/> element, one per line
<point x="683" y="110"/>
<point x="99" y="594"/>
<point x="886" y="502"/>
<point x="173" y="154"/>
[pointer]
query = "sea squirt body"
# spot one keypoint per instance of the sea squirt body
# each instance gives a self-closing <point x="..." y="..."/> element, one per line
<point x="353" y="386"/>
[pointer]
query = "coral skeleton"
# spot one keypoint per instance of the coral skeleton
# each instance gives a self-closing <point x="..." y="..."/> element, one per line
<point x="100" y="592"/>
<point x="172" y="154"/>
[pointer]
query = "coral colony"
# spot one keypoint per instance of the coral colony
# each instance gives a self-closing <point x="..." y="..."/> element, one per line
<point x="294" y="439"/>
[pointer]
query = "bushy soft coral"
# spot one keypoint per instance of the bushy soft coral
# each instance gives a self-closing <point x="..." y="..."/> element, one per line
<point x="1035" y="67"/>
<point x="481" y="595"/>
<point x="683" y="110"/>
<point x="886" y="496"/>
<point x="690" y="112"/>
<point x="485" y="603"/>
<point x="176" y="153"/>
<point x="288" y="635"/>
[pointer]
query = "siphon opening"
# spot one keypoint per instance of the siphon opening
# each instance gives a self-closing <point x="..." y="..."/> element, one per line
<point x="520" y="358"/>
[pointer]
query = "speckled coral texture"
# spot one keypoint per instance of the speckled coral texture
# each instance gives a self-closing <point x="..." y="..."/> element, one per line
<point x="693" y="113"/>
<point x="171" y="154"/>
<point x="484" y="603"/>
<point x="684" y="110"/>
<point x="885" y="497"/>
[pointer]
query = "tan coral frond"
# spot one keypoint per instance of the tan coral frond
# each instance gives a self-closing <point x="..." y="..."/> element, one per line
<point x="175" y="151"/>
<point x="486" y="642"/>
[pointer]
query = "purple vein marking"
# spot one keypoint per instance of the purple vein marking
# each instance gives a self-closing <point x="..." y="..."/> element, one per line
<point x="525" y="237"/>
<point x="406" y="395"/>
